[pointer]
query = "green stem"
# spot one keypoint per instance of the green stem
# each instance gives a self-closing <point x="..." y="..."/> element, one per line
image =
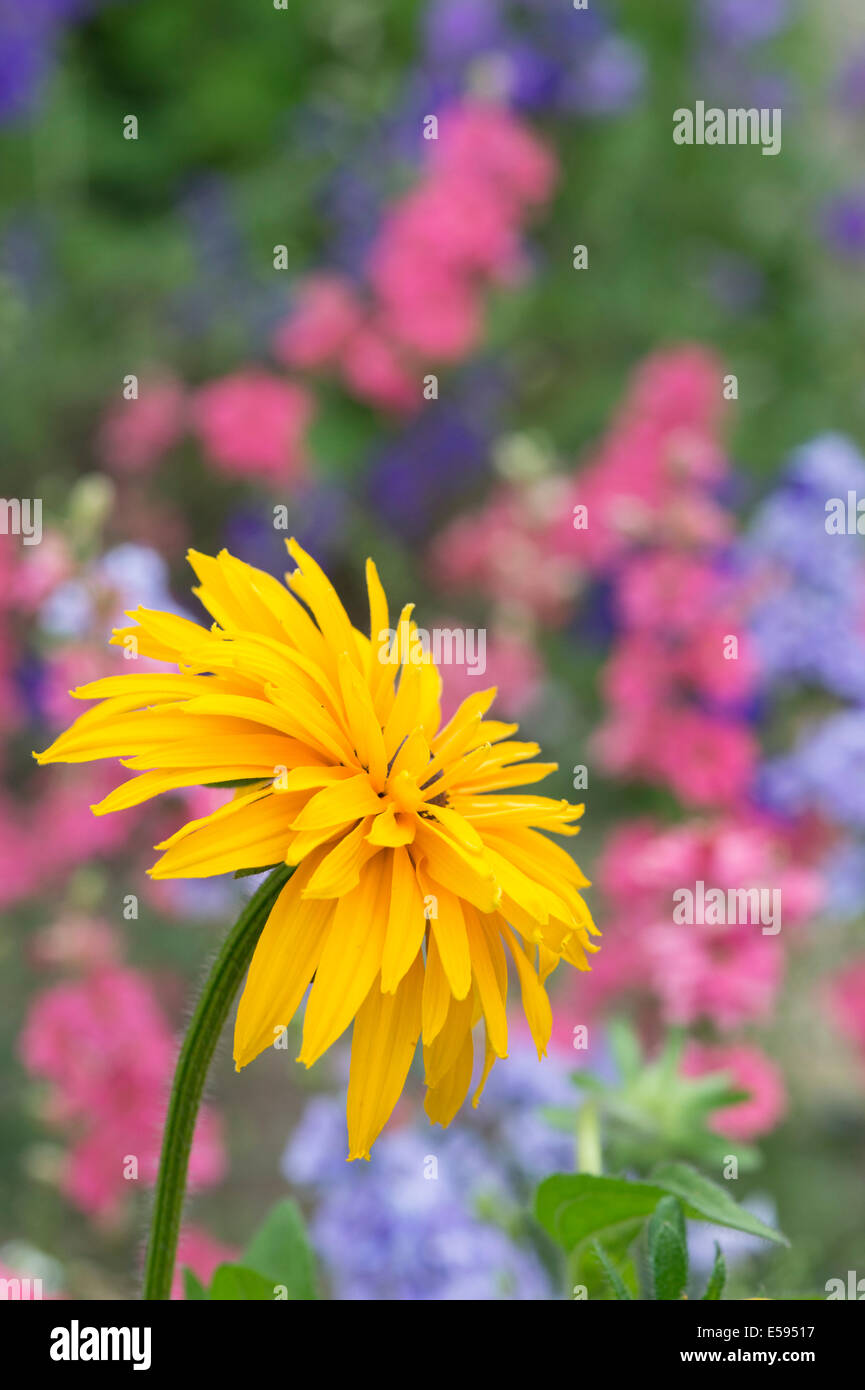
<point x="589" y="1139"/>
<point x="190" y="1075"/>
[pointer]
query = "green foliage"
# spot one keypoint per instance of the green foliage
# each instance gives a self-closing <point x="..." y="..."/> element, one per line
<point x="668" y="1258"/>
<point x="571" y="1207"/>
<point x="193" y="1289"/>
<point x="605" y="1215"/>
<point x="236" y="1284"/>
<point x="278" y="1264"/>
<point x="280" y="1250"/>
<point x="718" y="1277"/>
<point x="620" y="1289"/>
<point x="668" y="1249"/>
<point x="653" y="1112"/>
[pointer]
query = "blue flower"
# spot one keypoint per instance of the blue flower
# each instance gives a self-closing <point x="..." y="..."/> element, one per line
<point x="430" y="1217"/>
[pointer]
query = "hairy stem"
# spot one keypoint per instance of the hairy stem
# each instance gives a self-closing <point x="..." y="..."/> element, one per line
<point x="190" y="1075"/>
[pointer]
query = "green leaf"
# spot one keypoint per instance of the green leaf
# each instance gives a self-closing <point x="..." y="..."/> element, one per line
<point x="706" y="1200"/>
<point x="280" y="1251"/>
<point x="617" y="1283"/>
<point x="234" y="1283"/>
<point x="193" y="1289"/>
<point x="573" y="1206"/>
<point x="717" y="1279"/>
<point x="586" y="1268"/>
<point x="668" y="1249"/>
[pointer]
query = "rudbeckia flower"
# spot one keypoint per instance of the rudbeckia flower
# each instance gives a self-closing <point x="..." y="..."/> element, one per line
<point x="421" y="866"/>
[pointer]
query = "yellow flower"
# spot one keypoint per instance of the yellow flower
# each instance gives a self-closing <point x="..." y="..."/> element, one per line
<point x="420" y="868"/>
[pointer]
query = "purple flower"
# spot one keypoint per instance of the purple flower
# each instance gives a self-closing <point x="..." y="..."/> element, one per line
<point x="404" y="1227"/>
<point x="843" y="223"/>
<point x="825" y="772"/>
<point x="433" y="461"/>
<point x="844" y="875"/>
<point x="29" y="33"/>
<point x="458" y="30"/>
<point x="430" y="1217"/>
<point x="850" y="85"/>
<point x="829" y="465"/>
<point x="25" y="59"/>
<point x="610" y="80"/>
<point x="740" y="23"/>
<point x="531" y="78"/>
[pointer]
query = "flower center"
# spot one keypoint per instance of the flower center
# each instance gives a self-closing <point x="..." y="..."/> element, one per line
<point x="404" y="792"/>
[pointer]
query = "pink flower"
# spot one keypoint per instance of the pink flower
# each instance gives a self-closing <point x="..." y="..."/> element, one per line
<point x="680" y="389"/>
<point x="42" y="569"/>
<point x="449" y="224"/>
<point x="437" y="250"/>
<point x="706" y="761"/>
<point x="512" y="666"/>
<point x="253" y="424"/>
<point x="104" y="1045"/>
<point x="638" y="677"/>
<point x="712" y="665"/>
<point x="846" y="1001"/>
<point x="503" y="552"/>
<point x="377" y="372"/>
<point x="21" y="855"/>
<point x="669" y="588"/>
<point x="431" y="312"/>
<point x="750" y="1070"/>
<point x="319" y="326"/>
<point x="135" y="434"/>
<point x="642" y="863"/>
<point x="486" y="142"/>
<point x="729" y="975"/>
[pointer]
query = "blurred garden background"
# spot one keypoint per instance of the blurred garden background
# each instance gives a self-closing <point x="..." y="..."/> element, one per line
<point x="250" y="289"/>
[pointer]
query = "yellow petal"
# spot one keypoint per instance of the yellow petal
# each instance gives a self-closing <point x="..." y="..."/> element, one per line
<point x="285" y="960"/>
<point x="383" y="1044"/>
<point x="490" y="973"/>
<point x="363" y="725"/>
<point x="444" y="1100"/>
<point x="489" y="1059"/>
<point x="448" y="929"/>
<point x="406" y="921"/>
<point x="339" y="872"/>
<point x="245" y="835"/>
<point x="436" y="993"/>
<point x="467" y="874"/>
<point x="345" y="801"/>
<point x="350" y="961"/>
<point x="444" y="1051"/>
<point x="536" y="1004"/>
<point x="148" y="784"/>
<point x="392" y="829"/>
